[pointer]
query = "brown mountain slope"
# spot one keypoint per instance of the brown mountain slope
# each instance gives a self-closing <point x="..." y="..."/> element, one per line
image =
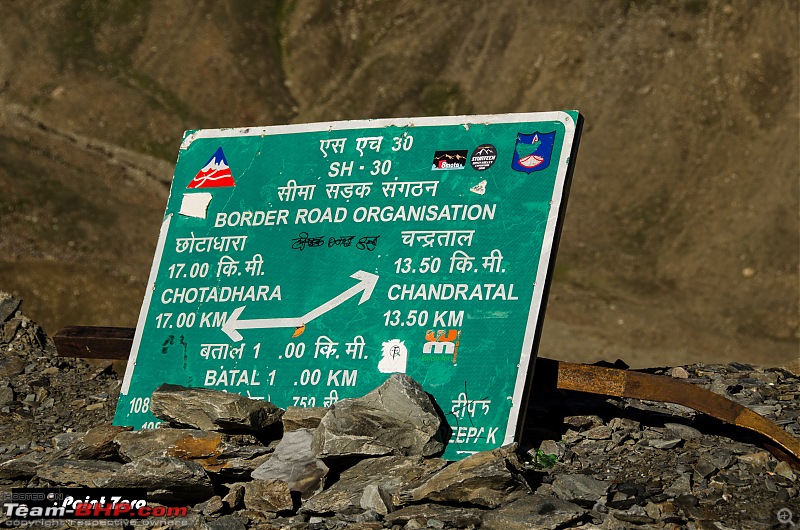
<point x="78" y="219"/>
<point x="681" y="239"/>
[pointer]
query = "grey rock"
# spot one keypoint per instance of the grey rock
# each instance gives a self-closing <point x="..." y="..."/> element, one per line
<point x="239" y="468"/>
<point x="571" y="437"/>
<point x="551" y="447"/>
<point x="188" y="444"/>
<point x="640" y="473"/>
<point x="624" y="424"/>
<point x="6" y="395"/>
<point x="581" y="489"/>
<point x="617" y="437"/>
<point x="415" y="524"/>
<point x="678" y="372"/>
<point x="295" y="463"/>
<point x="166" y="478"/>
<point x="317" y="522"/>
<point x="8" y="306"/>
<point x="229" y="455"/>
<point x="22" y="467"/>
<point x="98" y="443"/>
<point x="784" y="470"/>
<point x="367" y="516"/>
<point x="680" y="410"/>
<point x="704" y="467"/>
<point x="664" y="443"/>
<point x="391" y="473"/>
<point x="636" y="510"/>
<point x="758" y="458"/>
<point x="601" y="432"/>
<point x="10" y="330"/>
<point x="770" y="485"/>
<point x="634" y="518"/>
<point x="397" y="418"/>
<point x="11" y="366"/>
<point x="302" y="418"/>
<point x="721" y="387"/>
<point x="83" y="472"/>
<point x="212" y="410"/>
<point x="679" y="430"/>
<point x="257" y="518"/>
<point x="681" y="485"/>
<point x="377" y="499"/>
<point x="241" y="455"/>
<point x="65" y="439"/>
<point x="210" y="506"/>
<point x="583" y="422"/>
<point x="533" y="511"/>
<point x="453" y="516"/>
<point x="721" y="458"/>
<point x="268" y="496"/>
<point x="484" y="479"/>
<point x="766" y="410"/>
<point x="652" y="510"/>
<point x="227" y="522"/>
<point x="235" y="497"/>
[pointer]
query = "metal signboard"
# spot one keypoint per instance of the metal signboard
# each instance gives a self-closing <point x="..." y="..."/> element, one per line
<point x="304" y="264"/>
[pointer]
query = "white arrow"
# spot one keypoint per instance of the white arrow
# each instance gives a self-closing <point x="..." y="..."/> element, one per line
<point x="366" y="283"/>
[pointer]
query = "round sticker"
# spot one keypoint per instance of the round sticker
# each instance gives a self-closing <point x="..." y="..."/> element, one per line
<point x="483" y="157"/>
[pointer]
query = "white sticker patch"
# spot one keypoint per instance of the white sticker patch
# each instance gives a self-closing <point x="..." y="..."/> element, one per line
<point x="195" y="204"/>
<point x="479" y="188"/>
<point x="395" y="357"/>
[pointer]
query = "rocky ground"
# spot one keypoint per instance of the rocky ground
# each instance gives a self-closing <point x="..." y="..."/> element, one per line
<point x="584" y="462"/>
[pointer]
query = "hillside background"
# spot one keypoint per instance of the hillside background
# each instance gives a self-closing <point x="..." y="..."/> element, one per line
<point x="681" y="241"/>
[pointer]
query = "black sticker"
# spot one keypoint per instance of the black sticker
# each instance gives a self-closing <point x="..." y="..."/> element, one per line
<point x="483" y="157"/>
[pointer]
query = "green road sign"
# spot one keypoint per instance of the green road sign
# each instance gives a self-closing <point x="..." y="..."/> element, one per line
<point x="304" y="264"/>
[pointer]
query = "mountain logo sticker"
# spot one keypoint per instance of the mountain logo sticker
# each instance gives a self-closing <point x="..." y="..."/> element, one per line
<point x="215" y="174"/>
<point x="449" y="160"/>
<point x="533" y="151"/>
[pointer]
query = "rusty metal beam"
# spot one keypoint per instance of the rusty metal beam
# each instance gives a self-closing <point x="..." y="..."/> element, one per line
<point x="631" y="384"/>
<point x="115" y="343"/>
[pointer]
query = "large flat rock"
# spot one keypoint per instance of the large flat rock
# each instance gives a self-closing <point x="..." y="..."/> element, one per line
<point x="384" y="477"/>
<point x="218" y="453"/>
<point x="167" y="479"/>
<point x="533" y="511"/>
<point x="397" y="418"/>
<point x="212" y="410"/>
<point x="484" y="479"/>
<point x="88" y="473"/>
<point x="22" y="467"/>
